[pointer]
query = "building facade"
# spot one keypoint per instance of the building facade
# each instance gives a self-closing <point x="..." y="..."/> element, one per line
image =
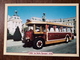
<point x="14" y="22"/>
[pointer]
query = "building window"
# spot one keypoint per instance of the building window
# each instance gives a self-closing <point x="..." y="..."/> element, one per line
<point x="35" y="19"/>
<point x="72" y="23"/>
<point x="68" y="30"/>
<point x="17" y="18"/>
<point x="66" y="23"/>
<point x="14" y="17"/>
<point x="32" y="18"/>
<point x="73" y="19"/>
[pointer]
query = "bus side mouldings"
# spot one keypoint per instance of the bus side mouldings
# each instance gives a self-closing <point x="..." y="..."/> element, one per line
<point x="57" y="35"/>
<point x="57" y="40"/>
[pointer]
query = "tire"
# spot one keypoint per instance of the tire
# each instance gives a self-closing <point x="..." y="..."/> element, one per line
<point x="67" y="39"/>
<point x="72" y="37"/>
<point x="38" y="43"/>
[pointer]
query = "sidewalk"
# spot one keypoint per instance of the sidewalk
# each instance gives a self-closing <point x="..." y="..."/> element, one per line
<point x="13" y="43"/>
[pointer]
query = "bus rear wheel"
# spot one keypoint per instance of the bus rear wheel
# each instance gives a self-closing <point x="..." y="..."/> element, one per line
<point x="67" y="39"/>
<point x="38" y="43"/>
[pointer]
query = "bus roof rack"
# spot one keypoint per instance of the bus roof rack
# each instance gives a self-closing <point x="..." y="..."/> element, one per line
<point x="48" y="23"/>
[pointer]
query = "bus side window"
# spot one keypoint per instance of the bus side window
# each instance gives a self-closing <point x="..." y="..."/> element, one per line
<point x="43" y="29"/>
<point x="60" y="29"/>
<point x="57" y="29"/>
<point x="63" y="30"/>
<point x="68" y="30"/>
<point x="51" y="29"/>
<point x="48" y="30"/>
<point x="37" y="28"/>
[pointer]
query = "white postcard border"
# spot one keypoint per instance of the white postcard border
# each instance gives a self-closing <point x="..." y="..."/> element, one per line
<point x="41" y="4"/>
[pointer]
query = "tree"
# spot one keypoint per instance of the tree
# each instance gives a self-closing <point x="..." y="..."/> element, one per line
<point x="9" y="36"/>
<point x="17" y="35"/>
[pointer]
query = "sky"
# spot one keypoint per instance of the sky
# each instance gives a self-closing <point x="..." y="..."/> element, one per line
<point x="52" y="12"/>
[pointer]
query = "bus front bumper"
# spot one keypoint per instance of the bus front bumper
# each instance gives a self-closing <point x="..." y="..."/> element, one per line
<point x="26" y="41"/>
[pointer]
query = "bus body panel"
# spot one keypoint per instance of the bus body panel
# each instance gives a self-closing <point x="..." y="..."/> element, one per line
<point x="29" y="35"/>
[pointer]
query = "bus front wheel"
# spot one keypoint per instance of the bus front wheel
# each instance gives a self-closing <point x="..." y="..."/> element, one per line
<point x="38" y="43"/>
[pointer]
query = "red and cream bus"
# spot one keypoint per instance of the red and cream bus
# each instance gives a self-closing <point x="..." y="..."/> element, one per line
<point x="41" y="33"/>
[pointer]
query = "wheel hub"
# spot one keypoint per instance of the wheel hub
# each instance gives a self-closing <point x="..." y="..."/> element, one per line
<point x="39" y="43"/>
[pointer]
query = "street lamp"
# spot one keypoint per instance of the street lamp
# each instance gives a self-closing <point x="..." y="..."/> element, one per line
<point x="43" y="17"/>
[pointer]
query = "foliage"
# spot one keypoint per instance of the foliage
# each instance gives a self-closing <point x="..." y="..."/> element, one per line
<point x="17" y="35"/>
<point x="9" y="36"/>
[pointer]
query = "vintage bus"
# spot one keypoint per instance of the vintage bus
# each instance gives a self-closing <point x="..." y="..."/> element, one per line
<point x="42" y="33"/>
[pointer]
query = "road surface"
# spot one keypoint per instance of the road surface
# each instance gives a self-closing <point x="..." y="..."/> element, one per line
<point x="63" y="47"/>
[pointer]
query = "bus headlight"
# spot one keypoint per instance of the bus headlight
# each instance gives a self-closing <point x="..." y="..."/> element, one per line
<point x="27" y="38"/>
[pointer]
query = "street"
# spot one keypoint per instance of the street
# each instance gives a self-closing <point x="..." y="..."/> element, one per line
<point x="63" y="47"/>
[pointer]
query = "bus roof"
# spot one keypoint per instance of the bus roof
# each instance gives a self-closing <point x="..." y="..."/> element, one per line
<point x="49" y="23"/>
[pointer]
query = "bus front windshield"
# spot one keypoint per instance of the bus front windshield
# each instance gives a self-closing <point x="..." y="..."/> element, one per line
<point x="30" y="28"/>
